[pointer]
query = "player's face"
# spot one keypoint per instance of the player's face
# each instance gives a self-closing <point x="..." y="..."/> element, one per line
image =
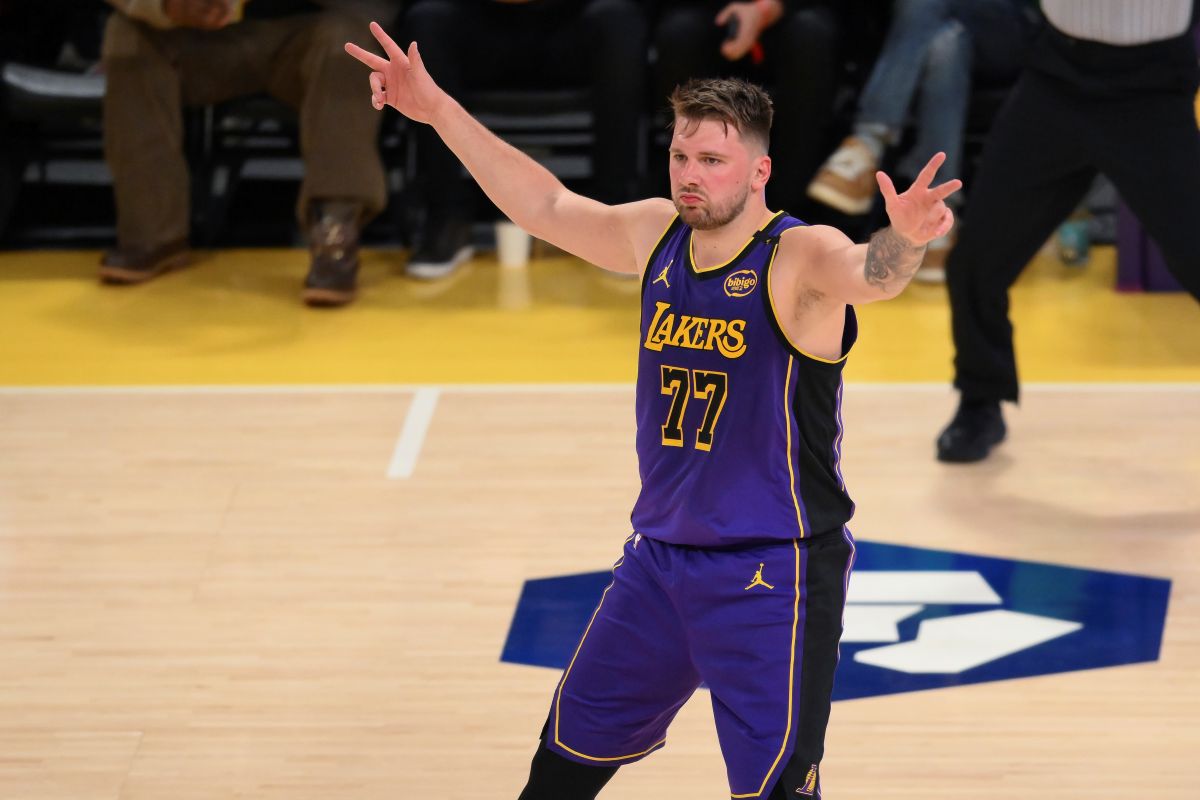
<point x="713" y="172"/>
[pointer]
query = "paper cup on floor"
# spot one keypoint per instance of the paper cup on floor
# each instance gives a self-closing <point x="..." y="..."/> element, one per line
<point x="513" y="244"/>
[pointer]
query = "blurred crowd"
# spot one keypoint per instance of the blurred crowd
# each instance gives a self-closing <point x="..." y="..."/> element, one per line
<point x="897" y="76"/>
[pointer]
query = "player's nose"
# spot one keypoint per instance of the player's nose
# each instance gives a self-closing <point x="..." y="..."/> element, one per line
<point x="688" y="175"/>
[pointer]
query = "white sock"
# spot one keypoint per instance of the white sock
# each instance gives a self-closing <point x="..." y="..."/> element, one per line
<point x="874" y="136"/>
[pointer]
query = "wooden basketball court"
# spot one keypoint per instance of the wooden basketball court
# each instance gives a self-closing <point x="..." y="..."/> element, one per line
<point x="252" y="551"/>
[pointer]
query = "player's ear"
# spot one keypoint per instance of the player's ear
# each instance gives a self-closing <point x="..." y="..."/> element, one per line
<point x="762" y="172"/>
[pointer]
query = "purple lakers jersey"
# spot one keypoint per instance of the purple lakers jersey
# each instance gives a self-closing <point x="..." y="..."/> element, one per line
<point x="739" y="433"/>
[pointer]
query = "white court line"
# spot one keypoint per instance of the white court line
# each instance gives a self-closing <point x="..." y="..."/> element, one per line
<point x="412" y="435"/>
<point x="555" y="388"/>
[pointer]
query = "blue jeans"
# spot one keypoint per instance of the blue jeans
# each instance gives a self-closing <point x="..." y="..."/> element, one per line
<point x="932" y="51"/>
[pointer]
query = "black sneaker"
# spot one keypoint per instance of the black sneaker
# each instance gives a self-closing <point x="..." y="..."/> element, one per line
<point x="333" y="241"/>
<point x="445" y="244"/>
<point x="977" y="427"/>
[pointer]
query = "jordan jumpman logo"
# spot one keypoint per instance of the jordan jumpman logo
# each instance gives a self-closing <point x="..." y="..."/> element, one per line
<point x="758" y="579"/>
<point x="662" y="276"/>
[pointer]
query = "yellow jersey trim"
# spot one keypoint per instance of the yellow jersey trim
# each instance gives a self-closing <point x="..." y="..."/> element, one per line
<point x="787" y="423"/>
<point x="741" y="250"/>
<point x="783" y="330"/>
<point x="658" y="243"/>
<point x="567" y="674"/>
<point x="791" y="681"/>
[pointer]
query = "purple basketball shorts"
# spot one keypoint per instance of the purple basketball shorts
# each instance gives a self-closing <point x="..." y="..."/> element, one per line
<point x="758" y="625"/>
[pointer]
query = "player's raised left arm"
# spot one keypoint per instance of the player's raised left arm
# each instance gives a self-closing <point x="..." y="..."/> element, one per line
<point x="880" y="269"/>
<point x="614" y="237"/>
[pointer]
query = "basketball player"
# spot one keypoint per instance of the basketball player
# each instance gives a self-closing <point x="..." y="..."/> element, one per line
<point x="736" y="572"/>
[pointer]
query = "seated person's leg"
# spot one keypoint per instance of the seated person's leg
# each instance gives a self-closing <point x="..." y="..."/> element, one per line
<point x="945" y="94"/>
<point x="143" y="133"/>
<point x="981" y="42"/>
<point x="846" y="181"/>
<point x="151" y="74"/>
<point x="687" y="43"/>
<point x="612" y="35"/>
<point x="444" y="30"/>
<point x="343" y="184"/>
<point x="802" y="54"/>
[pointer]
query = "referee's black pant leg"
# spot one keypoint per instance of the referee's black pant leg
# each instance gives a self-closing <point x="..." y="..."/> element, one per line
<point x="1033" y="173"/>
<point x="1154" y="161"/>
<point x="552" y="777"/>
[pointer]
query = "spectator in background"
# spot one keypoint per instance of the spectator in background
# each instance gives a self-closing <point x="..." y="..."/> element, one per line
<point x="1109" y="88"/>
<point x="795" y="48"/>
<point x="54" y="34"/>
<point x="160" y="55"/>
<point x="490" y="44"/>
<point x="49" y="33"/>
<point x="933" y="51"/>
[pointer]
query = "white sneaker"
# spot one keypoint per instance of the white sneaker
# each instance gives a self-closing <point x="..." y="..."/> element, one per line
<point x="846" y="181"/>
<point x="933" y="268"/>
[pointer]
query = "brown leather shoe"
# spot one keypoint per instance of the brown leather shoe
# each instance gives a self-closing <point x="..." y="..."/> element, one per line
<point x="846" y="181"/>
<point x="333" y="241"/>
<point x="140" y="265"/>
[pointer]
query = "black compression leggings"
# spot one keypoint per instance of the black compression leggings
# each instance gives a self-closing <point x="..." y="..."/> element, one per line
<point x="552" y="777"/>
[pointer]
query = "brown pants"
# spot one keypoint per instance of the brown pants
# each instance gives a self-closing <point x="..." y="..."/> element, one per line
<point x="153" y="73"/>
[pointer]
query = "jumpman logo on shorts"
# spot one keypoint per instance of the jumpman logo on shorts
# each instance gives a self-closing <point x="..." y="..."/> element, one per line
<point x="662" y="276"/>
<point x="758" y="579"/>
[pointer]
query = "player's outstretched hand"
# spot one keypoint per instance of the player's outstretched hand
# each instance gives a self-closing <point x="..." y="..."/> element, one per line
<point x="920" y="214"/>
<point x="400" y="80"/>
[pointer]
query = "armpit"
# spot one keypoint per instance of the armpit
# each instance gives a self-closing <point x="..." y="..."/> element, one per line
<point x="806" y="298"/>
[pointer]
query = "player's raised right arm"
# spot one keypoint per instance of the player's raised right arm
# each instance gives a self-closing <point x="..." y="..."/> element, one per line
<point x="612" y="237"/>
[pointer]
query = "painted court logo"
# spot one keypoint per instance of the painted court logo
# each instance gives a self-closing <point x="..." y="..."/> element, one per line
<point x="921" y="619"/>
<point x="741" y="283"/>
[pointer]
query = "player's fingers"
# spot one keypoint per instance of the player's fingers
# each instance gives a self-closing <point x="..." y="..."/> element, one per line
<point x="414" y="57"/>
<point x="387" y="43"/>
<point x="724" y="14"/>
<point x="370" y="59"/>
<point x="946" y="189"/>
<point x="886" y="187"/>
<point x="945" y="223"/>
<point x="926" y="177"/>
<point x="378" y="91"/>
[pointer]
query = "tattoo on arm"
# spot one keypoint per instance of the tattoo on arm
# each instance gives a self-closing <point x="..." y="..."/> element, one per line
<point x="891" y="260"/>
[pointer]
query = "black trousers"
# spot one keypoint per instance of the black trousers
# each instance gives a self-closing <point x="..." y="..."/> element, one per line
<point x="1079" y="109"/>
<point x="801" y="69"/>
<point x="599" y="44"/>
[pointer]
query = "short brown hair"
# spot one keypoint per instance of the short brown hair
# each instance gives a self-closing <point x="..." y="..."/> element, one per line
<point x="739" y="103"/>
